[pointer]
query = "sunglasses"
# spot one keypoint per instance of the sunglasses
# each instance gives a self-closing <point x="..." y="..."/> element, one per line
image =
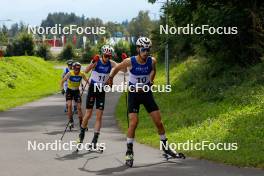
<point x="108" y="56"/>
<point x="77" y="69"/>
<point x="145" y="50"/>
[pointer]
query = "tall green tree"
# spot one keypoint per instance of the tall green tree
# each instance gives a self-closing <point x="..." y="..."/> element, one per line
<point x="244" y="48"/>
<point x="141" y="25"/>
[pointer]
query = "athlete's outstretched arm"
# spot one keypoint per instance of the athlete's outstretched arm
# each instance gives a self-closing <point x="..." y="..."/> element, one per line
<point x="153" y="72"/>
<point x="89" y="67"/>
<point x="121" y="66"/>
<point x="114" y="64"/>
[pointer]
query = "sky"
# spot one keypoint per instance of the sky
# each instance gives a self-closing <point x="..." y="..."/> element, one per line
<point x="33" y="11"/>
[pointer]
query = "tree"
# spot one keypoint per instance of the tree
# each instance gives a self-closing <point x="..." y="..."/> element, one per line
<point x="244" y="48"/>
<point x="141" y="25"/>
<point x="43" y="51"/>
<point x="22" y="45"/>
<point x="67" y="52"/>
<point x="121" y="47"/>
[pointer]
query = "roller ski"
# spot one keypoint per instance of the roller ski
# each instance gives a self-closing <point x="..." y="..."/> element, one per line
<point x="129" y="155"/>
<point x="170" y="154"/>
<point x="129" y="160"/>
<point x="93" y="146"/>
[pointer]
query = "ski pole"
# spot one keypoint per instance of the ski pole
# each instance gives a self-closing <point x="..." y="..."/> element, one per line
<point x="126" y="103"/>
<point x="65" y="130"/>
<point x="124" y="56"/>
<point x="83" y="89"/>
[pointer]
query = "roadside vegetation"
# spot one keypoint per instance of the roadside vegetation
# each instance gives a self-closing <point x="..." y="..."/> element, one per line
<point x="226" y="107"/>
<point x="24" y="79"/>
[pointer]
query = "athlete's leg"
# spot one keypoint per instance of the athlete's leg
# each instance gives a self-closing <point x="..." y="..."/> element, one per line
<point x="86" y="117"/>
<point x="154" y="112"/>
<point x="97" y="127"/>
<point x="98" y="122"/>
<point x="100" y="101"/>
<point x="69" y="104"/>
<point x="133" y="122"/>
<point x="90" y="99"/>
<point x="88" y="113"/>
<point x="156" y="118"/>
<point x="133" y="109"/>
<point x="75" y="107"/>
<point x="80" y="114"/>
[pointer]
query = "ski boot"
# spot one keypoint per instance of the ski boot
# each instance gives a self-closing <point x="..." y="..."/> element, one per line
<point x="71" y="124"/>
<point x="81" y="137"/>
<point x="93" y="145"/>
<point x="129" y="155"/>
<point x="169" y="153"/>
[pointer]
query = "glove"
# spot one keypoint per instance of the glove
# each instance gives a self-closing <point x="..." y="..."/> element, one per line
<point x="95" y="58"/>
<point x="110" y="81"/>
<point x="62" y="91"/>
<point x="124" y="56"/>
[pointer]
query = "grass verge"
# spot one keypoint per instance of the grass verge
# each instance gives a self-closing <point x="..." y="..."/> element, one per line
<point x="207" y="103"/>
<point x="24" y="79"/>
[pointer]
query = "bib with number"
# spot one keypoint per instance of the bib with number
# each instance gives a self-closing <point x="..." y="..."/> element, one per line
<point x="139" y="74"/>
<point x="100" y="73"/>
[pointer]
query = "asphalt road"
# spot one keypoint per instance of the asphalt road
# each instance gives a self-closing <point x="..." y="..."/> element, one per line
<point x="44" y="121"/>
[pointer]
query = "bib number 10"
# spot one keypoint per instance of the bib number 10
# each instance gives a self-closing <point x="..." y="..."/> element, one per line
<point x="142" y="80"/>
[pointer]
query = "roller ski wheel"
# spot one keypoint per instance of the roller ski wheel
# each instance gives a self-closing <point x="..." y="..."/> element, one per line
<point x="176" y="156"/>
<point x="71" y="126"/>
<point x="96" y="149"/>
<point x="78" y="141"/>
<point x="129" y="160"/>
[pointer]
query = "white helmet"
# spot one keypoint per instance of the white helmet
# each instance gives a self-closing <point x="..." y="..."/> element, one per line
<point x="144" y="42"/>
<point x="76" y="64"/>
<point x="107" y="49"/>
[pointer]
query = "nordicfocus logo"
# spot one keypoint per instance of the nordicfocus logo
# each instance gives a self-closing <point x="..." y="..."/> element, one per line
<point x="190" y="29"/>
<point x="139" y="87"/>
<point x="204" y="145"/>
<point x="58" y="29"/>
<point x="58" y="145"/>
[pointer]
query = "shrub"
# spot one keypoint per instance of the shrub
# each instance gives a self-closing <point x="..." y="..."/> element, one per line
<point x="22" y="45"/>
<point x="121" y="47"/>
<point x="67" y="52"/>
<point x="43" y="51"/>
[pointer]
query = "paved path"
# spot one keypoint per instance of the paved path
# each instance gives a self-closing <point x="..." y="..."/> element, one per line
<point x="44" y="121"/>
